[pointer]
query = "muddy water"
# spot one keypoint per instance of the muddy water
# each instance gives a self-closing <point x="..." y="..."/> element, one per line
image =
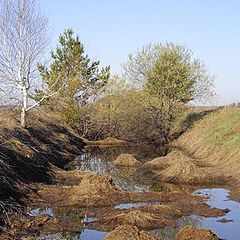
<point x="99" y="160"/>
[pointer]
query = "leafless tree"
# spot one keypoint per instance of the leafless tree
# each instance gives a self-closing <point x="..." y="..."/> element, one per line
<point x="23" y="39"/>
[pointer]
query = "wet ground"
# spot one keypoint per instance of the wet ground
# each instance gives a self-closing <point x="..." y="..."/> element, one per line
<point x="99" y="160"/>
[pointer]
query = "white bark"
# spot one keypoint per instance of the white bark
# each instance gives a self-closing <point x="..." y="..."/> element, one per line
<point x="23" y="37"/>
<point x="24" y="107"/>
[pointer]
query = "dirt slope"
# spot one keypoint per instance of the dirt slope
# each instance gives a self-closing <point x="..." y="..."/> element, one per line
<point x="208" y="152"/>
<point x="28" y="155"/>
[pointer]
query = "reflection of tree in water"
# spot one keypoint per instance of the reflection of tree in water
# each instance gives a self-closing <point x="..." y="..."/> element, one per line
<point x="67" y="214"/>
<point x="84" y="234"/>
<point x="72" y="235"/>
<point x="168" y="233"/>
<point x="141" y="152"/>
<point x="99" y="160"/>
<point x="94" y="161"/>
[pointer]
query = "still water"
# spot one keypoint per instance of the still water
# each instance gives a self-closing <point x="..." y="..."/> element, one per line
<point x="99" y="160"/>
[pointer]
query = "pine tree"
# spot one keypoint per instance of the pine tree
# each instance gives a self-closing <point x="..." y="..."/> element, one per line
<point x="72" y="73"/>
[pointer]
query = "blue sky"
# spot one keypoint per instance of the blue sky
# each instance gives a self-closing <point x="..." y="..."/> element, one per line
<point x="111" y="29"/>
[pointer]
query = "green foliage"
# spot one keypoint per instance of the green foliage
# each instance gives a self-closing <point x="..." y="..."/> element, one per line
<point x="70" y="111"/>
<point x="169" y="71"/>
<point x="170" y="74"/>
<point x="133" y="115"/>
<point x="72" y="73"/>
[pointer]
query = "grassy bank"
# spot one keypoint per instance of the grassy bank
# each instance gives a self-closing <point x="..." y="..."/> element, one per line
<point x="215" y="140"/>
<point x="28" y="155"/>
<point x="206" y="152"/>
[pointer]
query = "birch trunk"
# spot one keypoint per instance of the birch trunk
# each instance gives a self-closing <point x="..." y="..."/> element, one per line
<point x="24" y="108"/>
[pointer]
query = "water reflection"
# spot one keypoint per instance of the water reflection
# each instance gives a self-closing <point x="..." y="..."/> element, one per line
<point x="226" y="229"/>
<point x="92" y="162"/>
<point x="219" y="198"/>
<point x="85" y="234"/>
<point x="169" y="233"/>
<point x="69" y="215"/>
<point x="99" y="160"/>
<point x="65" y="214"/>
<point x="40" y="211"/>
<point x="135" y="205"/>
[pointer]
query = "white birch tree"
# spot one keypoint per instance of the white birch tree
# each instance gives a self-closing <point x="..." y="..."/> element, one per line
<point x="23" y="39"/>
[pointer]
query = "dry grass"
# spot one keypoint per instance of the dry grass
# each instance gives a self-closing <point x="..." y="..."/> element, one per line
<point x="208" y="152"/>
<point x="27" y="155"/>
<point x="126" y="160"/>
<point x="215" y="140"/>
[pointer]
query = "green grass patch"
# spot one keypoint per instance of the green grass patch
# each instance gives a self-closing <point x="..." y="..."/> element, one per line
<point x="220" y="128"/>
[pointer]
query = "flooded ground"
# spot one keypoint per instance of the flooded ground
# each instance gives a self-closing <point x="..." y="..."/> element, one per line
<point x="227" y="227"/>
<point x="99" y="160"/>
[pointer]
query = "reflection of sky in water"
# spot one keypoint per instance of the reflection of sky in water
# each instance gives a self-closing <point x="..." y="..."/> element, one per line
<point x="85" y="234"/>
<point x="216" y="198"/>
<point x="102" y="164"/>
<point x="134" y="205"/>
<point x="64" y="214"/>
<point x="168" y="233"/>
<point x="90" y="163"/>
<point x="92" y="235"/>
<point x="39" y="211"/>
<point x="219" y="199"/>
<point x="51" y="236"/>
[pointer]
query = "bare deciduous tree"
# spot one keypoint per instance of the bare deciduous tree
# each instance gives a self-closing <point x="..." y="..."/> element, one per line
<point x="23" y="39"/>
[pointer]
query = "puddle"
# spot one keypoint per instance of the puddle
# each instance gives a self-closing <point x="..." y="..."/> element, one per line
<point x="85" y="234"/>
<point x="62" y="213"/>
<point x="91" y="219"/>
<point x="50" y="236"/>
<point x="218" y="197"/>
<point x="40" y="211"/>
<point x="88" y="163"/>
<point x="100" y="161"/>
<point x="92" y="235"/>
<point x="134" y="205"/>
<point x="226" y="227"/>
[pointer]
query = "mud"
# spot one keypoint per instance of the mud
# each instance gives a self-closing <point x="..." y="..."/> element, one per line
<point x="77" y="194"/>
<point x="155" y="216"/>
<point x="127" y="224"/>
